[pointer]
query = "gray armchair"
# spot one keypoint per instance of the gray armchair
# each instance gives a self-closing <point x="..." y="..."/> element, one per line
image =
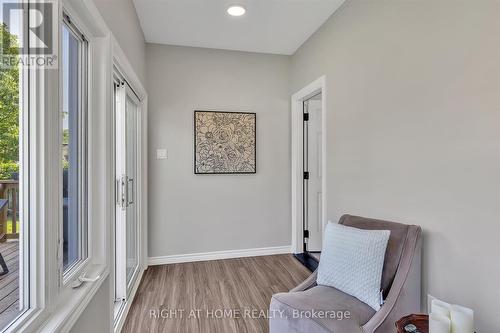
<point x="303" y="308"/>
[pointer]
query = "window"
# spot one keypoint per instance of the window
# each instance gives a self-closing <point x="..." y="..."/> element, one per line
<point x="74" y="145"/>
<point x="14" y="233"/>
<point x="44" y="163"/>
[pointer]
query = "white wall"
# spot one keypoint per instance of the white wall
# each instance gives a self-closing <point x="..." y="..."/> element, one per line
<point x="122" y="20"/>
<point x="414" y="132"/>
<point x="202" y="213"/>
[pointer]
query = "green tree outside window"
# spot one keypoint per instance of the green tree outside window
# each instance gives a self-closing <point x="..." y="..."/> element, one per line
<point x="9" y="110"/>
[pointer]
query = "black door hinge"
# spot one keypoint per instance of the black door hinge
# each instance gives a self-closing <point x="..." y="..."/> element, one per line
<point x="306" y="233"/>
<point x="306" y="116"/>
<point x="306" y="174"/>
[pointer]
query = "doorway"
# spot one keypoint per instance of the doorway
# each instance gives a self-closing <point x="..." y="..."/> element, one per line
<point x="127" y="139"/>
<point x="309" y="172"/>
<point x="312" y="157"/>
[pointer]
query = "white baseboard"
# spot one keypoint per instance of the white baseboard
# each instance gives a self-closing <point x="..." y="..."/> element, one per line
<point x="217" y="255"/>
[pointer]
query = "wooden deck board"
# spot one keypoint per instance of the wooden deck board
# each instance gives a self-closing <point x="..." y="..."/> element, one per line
<point x="9" y="314"/>
<point x="9" y="283"/>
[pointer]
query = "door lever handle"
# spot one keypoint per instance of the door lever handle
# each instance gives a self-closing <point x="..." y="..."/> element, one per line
<point x="130" y="181"/>
<point x="124" y="192"/>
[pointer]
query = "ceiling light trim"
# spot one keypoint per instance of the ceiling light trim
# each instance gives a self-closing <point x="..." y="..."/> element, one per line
<point x="236" y="10"/>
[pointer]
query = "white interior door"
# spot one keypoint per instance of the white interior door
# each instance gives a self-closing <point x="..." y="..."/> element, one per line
<point x="126" y="228"/>
<point x="313" y="190"/>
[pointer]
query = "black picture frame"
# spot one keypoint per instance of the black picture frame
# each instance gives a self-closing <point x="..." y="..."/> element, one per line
<point x="196" y="171"/>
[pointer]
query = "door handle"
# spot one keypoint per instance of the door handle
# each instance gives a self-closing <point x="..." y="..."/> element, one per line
<point x="130" y="186"/>
<point x="123" y="195"/>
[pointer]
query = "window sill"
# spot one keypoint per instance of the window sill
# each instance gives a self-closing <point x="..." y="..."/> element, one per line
<point x="74" y="301"/>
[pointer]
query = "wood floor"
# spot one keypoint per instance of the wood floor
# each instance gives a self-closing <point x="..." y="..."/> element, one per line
<point x="201" y="292"/>
<point x="9" y="283"/>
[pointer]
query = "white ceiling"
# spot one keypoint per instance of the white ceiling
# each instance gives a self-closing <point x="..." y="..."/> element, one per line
<point x="269" y="26"/>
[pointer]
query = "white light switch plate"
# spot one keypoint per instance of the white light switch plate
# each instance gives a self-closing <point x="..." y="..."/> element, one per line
<point x="161" y="154"/>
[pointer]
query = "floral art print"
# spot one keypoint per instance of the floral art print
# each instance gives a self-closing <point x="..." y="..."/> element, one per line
<point x="224" y="142"/>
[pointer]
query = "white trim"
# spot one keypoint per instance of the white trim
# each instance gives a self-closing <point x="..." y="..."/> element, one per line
<point x="119" y="321"/>
<point x="86" y="81"/>
<point x="218" y="255"/>
<point x="37" y="101"/>
<point x="310" y="90"/>
<point x="70" y="308"/>
<point x="121" y="61"/>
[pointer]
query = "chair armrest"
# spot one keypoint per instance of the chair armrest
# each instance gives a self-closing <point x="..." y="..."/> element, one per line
<point x="308" y="283"/>
<point x="404" y="296"/>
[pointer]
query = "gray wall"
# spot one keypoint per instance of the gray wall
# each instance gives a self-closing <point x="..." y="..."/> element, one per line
<point x="97" y="317"/>
<point x="201" y="213"/>
<point x="414" y="132"/>
<point x="122" y="20"/>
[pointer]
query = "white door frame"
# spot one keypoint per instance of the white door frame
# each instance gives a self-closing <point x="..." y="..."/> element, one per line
<point x="122" y="150"/>
<point x="120" y="62"/>
<point x="315" y="87"/>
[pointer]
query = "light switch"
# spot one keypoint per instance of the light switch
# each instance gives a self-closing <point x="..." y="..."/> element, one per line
<point x="161" y="154"/>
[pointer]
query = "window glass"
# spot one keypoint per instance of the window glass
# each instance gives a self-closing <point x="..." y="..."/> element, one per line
<point x="73" y="50"/>
<point x="14" y="275"/>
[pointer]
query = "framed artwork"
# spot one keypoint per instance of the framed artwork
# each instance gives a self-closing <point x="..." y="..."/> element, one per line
<point x="224" y="142"/>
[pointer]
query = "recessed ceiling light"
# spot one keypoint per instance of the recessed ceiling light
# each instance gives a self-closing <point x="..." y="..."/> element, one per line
<point x="236" y="10"/>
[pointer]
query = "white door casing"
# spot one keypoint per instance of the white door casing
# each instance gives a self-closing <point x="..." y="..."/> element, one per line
<point x="314" y="158"/>
<point x="297" y="115"/>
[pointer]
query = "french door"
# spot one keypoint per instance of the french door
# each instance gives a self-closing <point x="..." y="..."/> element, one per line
<point x="126" y="228"/>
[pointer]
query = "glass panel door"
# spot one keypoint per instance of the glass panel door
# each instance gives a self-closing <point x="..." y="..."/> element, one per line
<point x="131" y="176"/>
<point x="126" y="226"/>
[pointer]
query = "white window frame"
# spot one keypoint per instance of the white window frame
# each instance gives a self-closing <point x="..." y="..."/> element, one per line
<point x="34" y="150"/>
<point x="27" y="243"/>
<point x="75" y="269"/>
<point x="70" y="302"/>
<point x="54" y="304"/>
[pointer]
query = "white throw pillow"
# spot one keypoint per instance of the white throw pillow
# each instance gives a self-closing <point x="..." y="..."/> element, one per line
<point x="352" y="261"/>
